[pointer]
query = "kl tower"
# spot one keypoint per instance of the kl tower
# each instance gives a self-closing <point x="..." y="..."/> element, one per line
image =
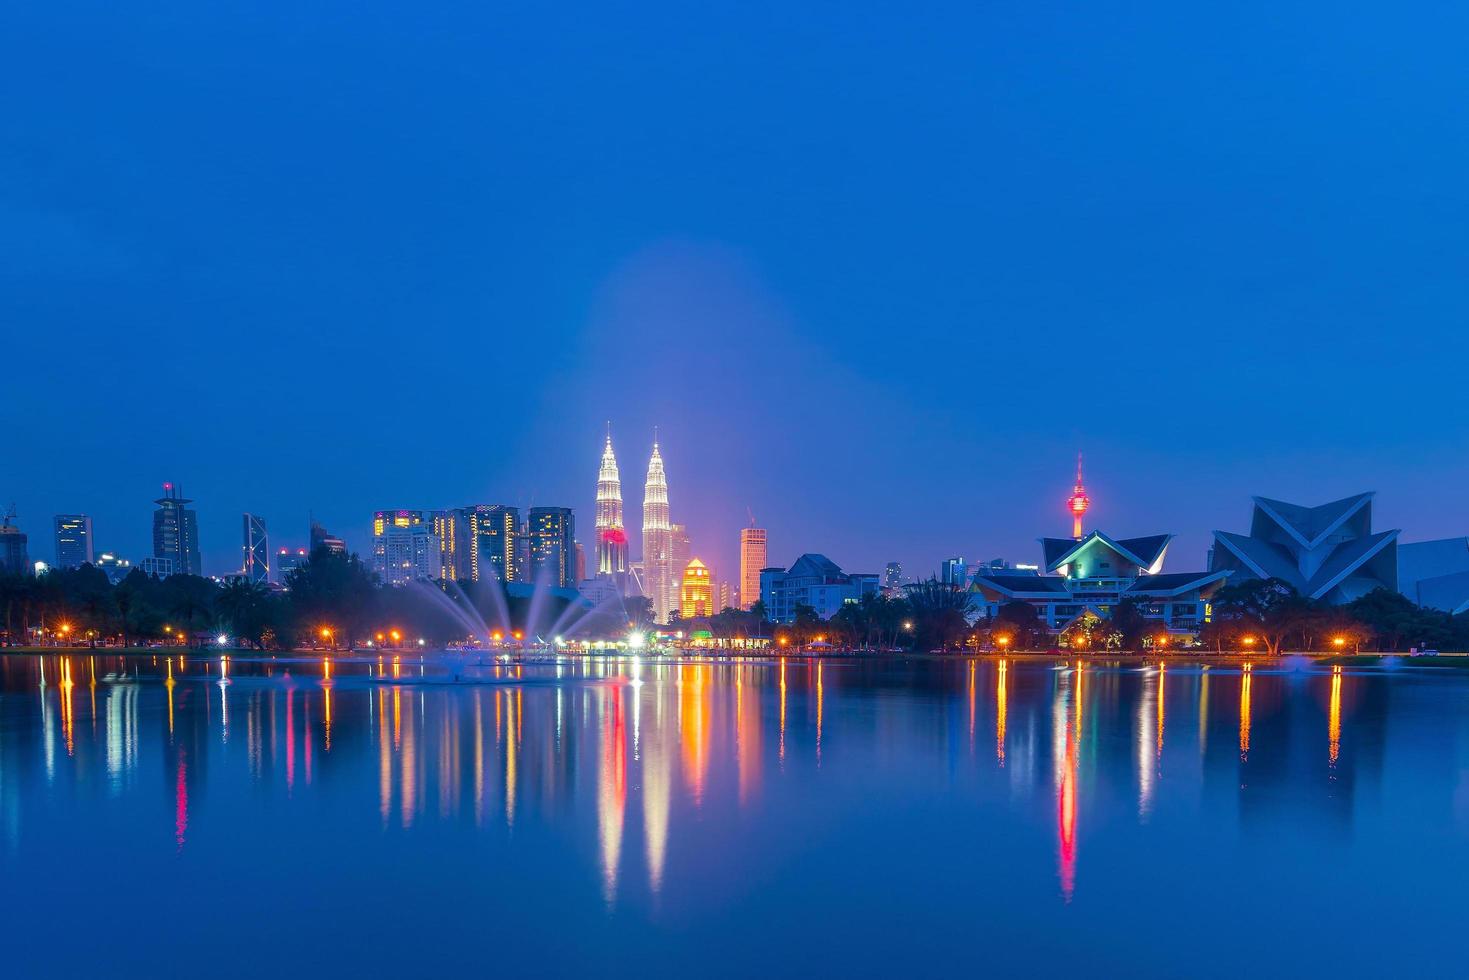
<point x="1078" y="502"/>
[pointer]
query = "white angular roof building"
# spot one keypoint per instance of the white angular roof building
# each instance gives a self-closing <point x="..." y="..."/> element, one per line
<point x="1328" y="552"/>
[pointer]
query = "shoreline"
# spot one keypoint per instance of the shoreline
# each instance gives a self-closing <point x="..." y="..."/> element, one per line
<point x="1447" y="660"/>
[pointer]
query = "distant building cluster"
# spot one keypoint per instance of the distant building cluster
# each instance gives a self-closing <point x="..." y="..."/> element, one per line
<point x="1328" y="553"/>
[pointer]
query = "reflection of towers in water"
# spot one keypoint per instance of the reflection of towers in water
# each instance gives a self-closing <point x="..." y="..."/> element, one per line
<point x="611" y="786"/>
<point x="657" y="773"/>
<point x="657" y="538"/>
<point x="611" y="536"/>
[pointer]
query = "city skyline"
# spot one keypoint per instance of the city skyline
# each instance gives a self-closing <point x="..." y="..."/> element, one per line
<point x="359" y="537"/>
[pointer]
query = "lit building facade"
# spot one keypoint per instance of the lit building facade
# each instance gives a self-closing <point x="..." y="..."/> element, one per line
<point x="411" y="553"/>
<point x="681" y="551"/>
<point x="116" y="569"/>
<point x="696" y="596"/>
<point x="451" y="527"/>
<point x="73" y="541"/>
<point x="384" y="521"/>
<point x="815" y="581"/>
<point x="162" y="567"/>
<point x="659" y="583"/>
<point x="954" y="571"/>
<point x="256" y="550"/>
<point x="287" y="561"/>
<point x="493" y="530"/>
<point x="551" y="540"/>
<point x="753" y="556"/>
<point x="1091" y="576"/>
<point x="611" y="535"/>
<point x="321" y="538"/>
<point x="892" y="576"/>
<point x="176" y="532"/>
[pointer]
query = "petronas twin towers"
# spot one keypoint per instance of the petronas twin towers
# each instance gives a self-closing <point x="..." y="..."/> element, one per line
<point x="660" y="578"/>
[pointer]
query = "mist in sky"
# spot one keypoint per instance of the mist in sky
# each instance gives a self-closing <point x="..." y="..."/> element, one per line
<point x="876" y="273"/>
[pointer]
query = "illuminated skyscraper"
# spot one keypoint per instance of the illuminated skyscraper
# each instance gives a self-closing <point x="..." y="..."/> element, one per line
<point x="13" y="556"/>
<point x="697" y="598"/>
<point x="176" y="532"/>
<point x="550" y="537"/>
<point x="679" y="551"/>
<point x="384" y="521"/>
<point x="256" y="549"/>
<point x="73" y="540"/>
<point x="752" y="559"/>
<point x="493" y="529"/>
<point x="451" y="527"/>
<point x="611" y="537"/>
<point x="657" y="540"/>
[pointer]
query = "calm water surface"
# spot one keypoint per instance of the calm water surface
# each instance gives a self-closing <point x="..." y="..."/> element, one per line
<point x="167" y="817"/>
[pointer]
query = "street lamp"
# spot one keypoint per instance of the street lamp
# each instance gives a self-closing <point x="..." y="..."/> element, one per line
<point x="1248" y="641"/>
<point x="1003" y="642"/>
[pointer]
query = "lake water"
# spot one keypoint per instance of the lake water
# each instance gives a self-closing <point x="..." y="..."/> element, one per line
<point x="273" y="818"/>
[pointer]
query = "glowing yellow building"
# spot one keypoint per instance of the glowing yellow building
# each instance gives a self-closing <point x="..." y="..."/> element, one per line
<point x="697" y="594"/>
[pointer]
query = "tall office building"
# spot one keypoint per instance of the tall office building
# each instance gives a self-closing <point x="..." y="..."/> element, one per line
<point x="320" y="538"/>
<point x="752" y="559"/>
<point x="256" y="546"/>
<point x="116" y="569"/>
<point x="679" y="552"/>
<point x="287" y="561"/>
<point x="551" y="538"/>
<point x="176" y="532"/>
<point x="410" y="553"/>
<point x="955" y="571"/>
<point x="696" y="595"/>
<point x="611" y="536"/>
<point x="892" y="576"/>
<point x="451" y="527"/>
<point x="73" y="541"/>
<point x="382" y="522"/>
<point x="493" y="529"/>
<point x="14" y="558"/>
<point x="657" y="539"/>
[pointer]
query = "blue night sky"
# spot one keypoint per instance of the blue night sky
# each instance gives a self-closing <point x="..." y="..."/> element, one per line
<point x="876" y="271"/>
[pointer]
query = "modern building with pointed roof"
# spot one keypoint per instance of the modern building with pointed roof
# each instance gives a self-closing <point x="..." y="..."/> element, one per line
<point x="1328" y="553"/>
<point x="1092" y="575"/>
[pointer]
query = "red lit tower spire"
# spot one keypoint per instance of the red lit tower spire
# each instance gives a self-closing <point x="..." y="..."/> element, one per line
<point x="1078" y="502"/>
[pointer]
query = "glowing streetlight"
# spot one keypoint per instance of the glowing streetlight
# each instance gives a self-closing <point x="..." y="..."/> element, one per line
<point x="1002" y="641"/>
<point x="396" y="636"/>
<point x="783" y="640"/>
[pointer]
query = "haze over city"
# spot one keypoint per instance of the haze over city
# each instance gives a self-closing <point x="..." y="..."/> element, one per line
<point x="333" y="261"/>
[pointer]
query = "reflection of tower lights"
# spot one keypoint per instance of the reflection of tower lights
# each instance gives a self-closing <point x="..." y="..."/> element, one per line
<point x="1067" y="739"/>
<point x="1078" y="502"/>
<point x="1333" y="724"/>
<point x="1002" y="700"/>
<point x="612" y="789"/>
<point x="1244" y="712"/>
